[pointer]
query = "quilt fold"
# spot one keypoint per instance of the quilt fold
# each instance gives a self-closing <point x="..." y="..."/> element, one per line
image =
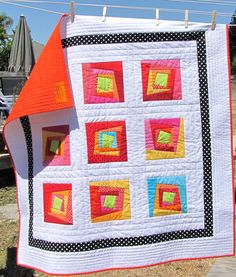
<point x="48" y="87"/>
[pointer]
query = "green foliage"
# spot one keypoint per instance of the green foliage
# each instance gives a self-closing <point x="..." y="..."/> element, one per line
<point x="232" y="42"/>
<point x="5" y="41"/>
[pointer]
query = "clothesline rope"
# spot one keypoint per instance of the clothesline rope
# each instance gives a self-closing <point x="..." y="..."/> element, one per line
<point x="197" y="12"/>
<point x="30" y="7"/>
<point x="206" y="2"/>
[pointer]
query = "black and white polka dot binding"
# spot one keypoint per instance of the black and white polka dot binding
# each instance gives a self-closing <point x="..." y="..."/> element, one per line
<point x="199" y="37"/>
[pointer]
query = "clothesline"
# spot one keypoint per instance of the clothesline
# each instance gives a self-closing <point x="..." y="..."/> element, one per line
<point x="18" y="3"/>
<point x="124" y="6"/>
<point x="30" y="7"/>
<point x="206" y="2"/>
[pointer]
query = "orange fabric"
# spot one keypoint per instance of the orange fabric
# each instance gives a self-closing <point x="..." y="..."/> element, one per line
<point x="48" y="87"/>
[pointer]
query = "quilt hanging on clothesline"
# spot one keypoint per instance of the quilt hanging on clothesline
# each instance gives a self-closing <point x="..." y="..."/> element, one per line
<point x="121" y="141"/>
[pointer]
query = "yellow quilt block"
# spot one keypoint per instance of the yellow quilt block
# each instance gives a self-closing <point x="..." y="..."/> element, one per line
<point x="180" y="150"/>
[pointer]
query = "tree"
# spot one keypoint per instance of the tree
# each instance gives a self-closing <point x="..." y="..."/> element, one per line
<point x="232" y="42"/>
<point x="5" y="41"/>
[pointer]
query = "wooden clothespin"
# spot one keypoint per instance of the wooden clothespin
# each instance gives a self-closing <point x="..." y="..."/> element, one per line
<point x="213" y="20"/>
<point x="186" y="18"/>
<point x="104" y="13"/>
<point x="158" y="17"/>
<point x="72" y="11"/>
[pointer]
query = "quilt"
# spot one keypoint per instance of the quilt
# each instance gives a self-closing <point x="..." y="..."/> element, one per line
<point x="122" y="146"/>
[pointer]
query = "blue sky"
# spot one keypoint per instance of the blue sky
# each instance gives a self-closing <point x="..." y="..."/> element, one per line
<point x="42" y="24"/>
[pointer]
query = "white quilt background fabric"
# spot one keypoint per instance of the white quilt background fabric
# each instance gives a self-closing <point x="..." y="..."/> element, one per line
<point x="137" y="169"/>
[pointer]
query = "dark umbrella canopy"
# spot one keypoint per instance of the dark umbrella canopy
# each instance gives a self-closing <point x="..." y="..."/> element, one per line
<point x="22" y="54"/>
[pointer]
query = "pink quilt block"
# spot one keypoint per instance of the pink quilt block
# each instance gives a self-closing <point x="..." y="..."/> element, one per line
<point x="103" y="82"/>
<point x="56" y="145"/>
<point x="161" y="80"/>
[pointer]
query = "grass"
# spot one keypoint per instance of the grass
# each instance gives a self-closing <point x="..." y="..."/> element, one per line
<point x="7" y="195"/>
<point x="8" y="242"/>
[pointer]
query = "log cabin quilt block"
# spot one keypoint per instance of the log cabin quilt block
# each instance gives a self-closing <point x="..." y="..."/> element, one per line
<point x="121" y="143"/>
<point x="105" y="83"/>
<point x="161" y="80"/>
<point x="56" y="145"/>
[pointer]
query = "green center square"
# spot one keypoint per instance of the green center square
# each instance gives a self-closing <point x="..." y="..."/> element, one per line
<point x="54" y="147"/>
<point x="104" y="83"/>
<point x="110" y="201"/>
<point x="107" y="141"/>
<point x="168" y="197"/>
<point x="161" y="79"/>
<point x="57" y="203"/>
<point x="164" y="137"/>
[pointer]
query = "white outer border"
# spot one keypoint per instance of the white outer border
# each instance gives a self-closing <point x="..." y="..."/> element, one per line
<point x="219" y="245"/>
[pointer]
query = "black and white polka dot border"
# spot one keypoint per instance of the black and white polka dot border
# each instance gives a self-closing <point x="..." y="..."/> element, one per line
<point x="199" y="37"/>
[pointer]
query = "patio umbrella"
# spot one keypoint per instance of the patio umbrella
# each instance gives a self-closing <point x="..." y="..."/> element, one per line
<point x="22" y="55"/>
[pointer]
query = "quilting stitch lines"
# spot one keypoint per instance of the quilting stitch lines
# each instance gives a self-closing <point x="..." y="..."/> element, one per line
<point x="110" y="200"/>
<point x="164" y="138"/>
<point x="106" y="141"/>
<point x="56" y="145"/>
<point x="161" y="80"/>
<point x="103" y="82"/>
<point x="58" y="203"/>
<point x="167" y="195"/>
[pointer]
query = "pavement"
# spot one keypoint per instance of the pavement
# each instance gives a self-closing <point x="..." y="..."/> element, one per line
<point x="9" y="212"/>
<point x="223" y="267"/>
